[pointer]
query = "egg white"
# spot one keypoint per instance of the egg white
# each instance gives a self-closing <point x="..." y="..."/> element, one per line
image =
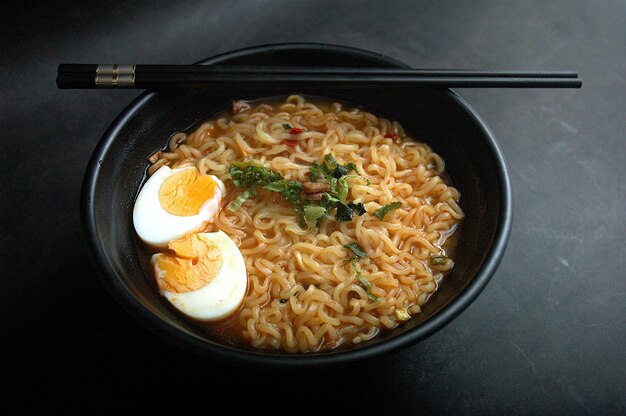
<point x="220" y="297"/>
<point x="156" y="226"/>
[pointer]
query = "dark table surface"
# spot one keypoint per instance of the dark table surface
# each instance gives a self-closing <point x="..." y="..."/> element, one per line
<point x="547" y="335"/>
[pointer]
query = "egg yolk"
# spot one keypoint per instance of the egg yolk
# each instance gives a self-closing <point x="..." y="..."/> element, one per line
<point x="195" y="263"/>
<point x="184" y="192"/>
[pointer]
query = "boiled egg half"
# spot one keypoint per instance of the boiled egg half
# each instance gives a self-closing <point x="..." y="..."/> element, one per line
<point x="203" y="275"/>
<point x="175" y="202"/>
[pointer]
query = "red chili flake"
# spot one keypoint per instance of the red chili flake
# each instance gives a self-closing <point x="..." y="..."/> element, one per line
<point x="307" y="174"/>
<point x="292" y="143"/>
<point x="296" y="130"/>
<point x="393" y="136"/>
<point x="220" y="331"/>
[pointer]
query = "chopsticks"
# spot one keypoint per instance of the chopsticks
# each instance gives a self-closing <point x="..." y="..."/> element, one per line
<point x="140" y="76"/>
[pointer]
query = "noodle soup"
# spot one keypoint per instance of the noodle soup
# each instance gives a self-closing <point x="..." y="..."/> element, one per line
<point x="345" y="224"/>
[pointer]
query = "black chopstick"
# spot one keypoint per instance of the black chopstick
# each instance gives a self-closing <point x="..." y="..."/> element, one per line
<point x="85" y="76"/>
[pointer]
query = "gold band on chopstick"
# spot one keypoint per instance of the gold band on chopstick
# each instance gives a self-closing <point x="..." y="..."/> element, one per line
<point x="113" y="76"/>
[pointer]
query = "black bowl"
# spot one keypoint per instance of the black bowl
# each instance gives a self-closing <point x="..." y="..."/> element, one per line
<point x="439" y="117"/>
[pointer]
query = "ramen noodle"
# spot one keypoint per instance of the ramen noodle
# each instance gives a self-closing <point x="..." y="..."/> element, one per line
<point x="323" y="271"/>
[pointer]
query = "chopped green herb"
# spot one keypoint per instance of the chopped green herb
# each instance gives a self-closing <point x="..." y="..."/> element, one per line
<point x="246" y="175"/>
<point x="350" y="166"/>
<point x="330" y="168"/>
<point x="317" y="172"/>
<point x="283" y="300"/>
<point x="287" y="126"/>
<point x="249" y="175"/>
<point x="344" y="213"/>
<point x="364" y="282"/>
<point x="328" y="201"/>
<point x="252" y="175"/>
<point x="358" y="208"/>
<point x="342" y="189"/>
<point x="382" y="211"/>
<point x="437" y="260"/>
<point x="289" y="190"/>
<point x="356" y="249"/>
<point x="333" y="169"/>
<point x="312" y="214"/>
<point x="237" y="202"/>
<point x="358" y="252"/>
<point x="334" y="190"/>
<point x="330" y="161"/>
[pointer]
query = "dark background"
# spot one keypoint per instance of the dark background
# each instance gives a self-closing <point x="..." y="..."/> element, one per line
<point x="547" y="335"/>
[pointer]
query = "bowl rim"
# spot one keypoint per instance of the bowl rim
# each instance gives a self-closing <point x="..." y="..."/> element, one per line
<point x="197" y="345"/>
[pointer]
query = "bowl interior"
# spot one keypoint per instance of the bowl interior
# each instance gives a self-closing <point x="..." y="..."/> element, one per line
<point x="439" y="118"/>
